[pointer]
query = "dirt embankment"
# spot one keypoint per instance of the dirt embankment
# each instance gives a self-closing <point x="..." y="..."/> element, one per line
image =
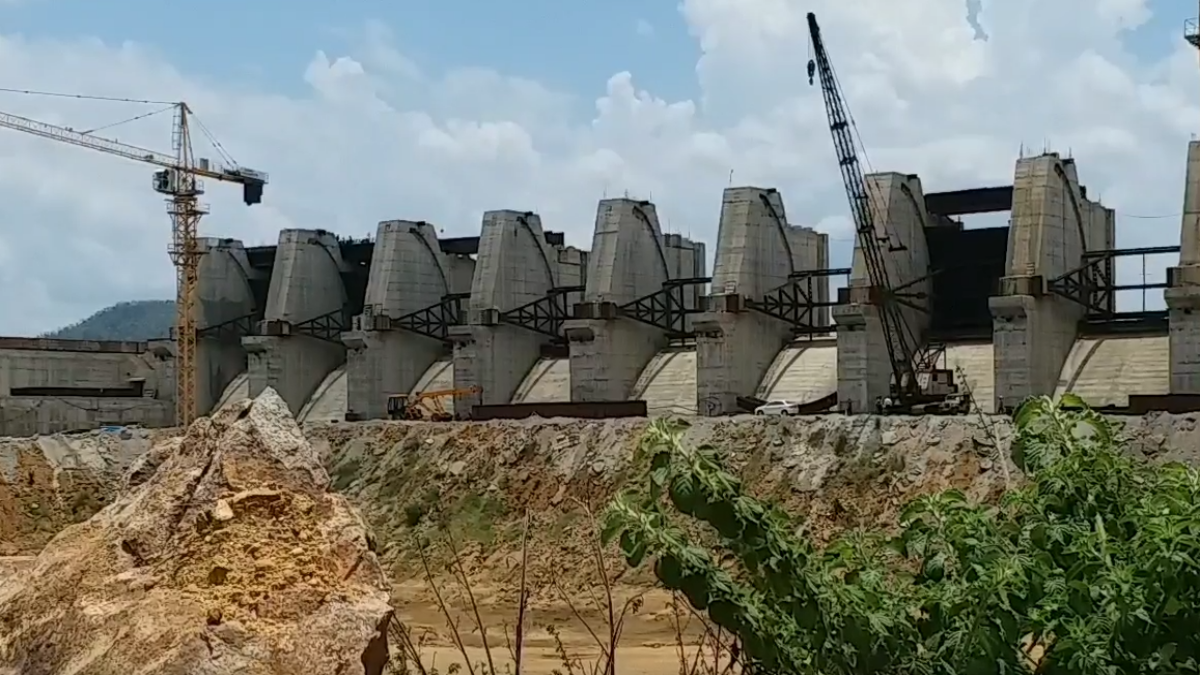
<point x="480" y="480"/>
<point x="49" y="482"/>
<point x="835" y="471"/>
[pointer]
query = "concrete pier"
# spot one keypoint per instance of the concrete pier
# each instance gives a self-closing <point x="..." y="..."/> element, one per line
<point x="515" y="266"/>
<point x="864" y="365"/>
<point x="757" y="252"/>
<point x="224" y="297"/>
<point x="409" y="272"/>
<point x="1183" y="296"/>
<point x="306" y="285"/>
<point x="1053" y="224"/>
<point x="630" y="258"/>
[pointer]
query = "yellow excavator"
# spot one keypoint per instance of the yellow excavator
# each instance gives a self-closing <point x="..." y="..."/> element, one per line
<point x="426" y="406"/>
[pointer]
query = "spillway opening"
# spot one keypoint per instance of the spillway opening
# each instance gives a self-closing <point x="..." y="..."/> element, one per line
<point x="262" y="261"/>
<point x="356" y="254"/>
<point x="967" y="266"/>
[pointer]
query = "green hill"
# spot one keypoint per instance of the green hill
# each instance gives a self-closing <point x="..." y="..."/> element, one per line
<point x="137" y="321"/>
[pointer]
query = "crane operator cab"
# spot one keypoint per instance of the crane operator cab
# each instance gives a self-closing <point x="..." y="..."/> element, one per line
<point x="936" y="394"/>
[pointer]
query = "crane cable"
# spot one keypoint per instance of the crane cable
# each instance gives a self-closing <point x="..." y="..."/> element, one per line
<point x="127" y="121"/>
<point x="83" y="97"/>
<point x="220" y="149"/>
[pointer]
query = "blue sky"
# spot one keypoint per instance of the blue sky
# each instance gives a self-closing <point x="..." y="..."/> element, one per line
<point x="572" y="46"/>
<point x="928" y="100"/>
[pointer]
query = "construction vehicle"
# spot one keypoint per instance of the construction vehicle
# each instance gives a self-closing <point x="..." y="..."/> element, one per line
<point x="179" y="180"/>
<point x="917" y="385"/>
<point x="426" y="406"/>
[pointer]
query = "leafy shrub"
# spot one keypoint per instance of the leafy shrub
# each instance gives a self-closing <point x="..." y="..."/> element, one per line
<point x="1092" y="567"/>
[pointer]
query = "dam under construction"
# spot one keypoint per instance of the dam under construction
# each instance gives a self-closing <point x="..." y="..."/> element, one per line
<point x="518" y="316"/>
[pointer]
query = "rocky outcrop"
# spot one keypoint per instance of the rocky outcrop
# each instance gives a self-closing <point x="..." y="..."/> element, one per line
<point x="49" y="482"/>
<point x="231" y="557"/>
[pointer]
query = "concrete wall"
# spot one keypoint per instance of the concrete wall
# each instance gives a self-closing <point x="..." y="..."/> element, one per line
<point x="804" y="371"/>
<point x="223" y="295"/>
<point x="1183" y="298"/>
<point x="734" y="345"/>
<point x="1107" y="370"/>
<point x="864" y="362"/>
<point x="81" y="365"/>
<point x="34" y="415"/>
<point x="409" y="272"/>
<point x="1034" y="330"/>
<point x="85" y="364"/>
<point x="306" y="283"/>
<point x="1102" y="235"/>
<point x="630" y="259"/>
<point x="515" y="266"/>
<point x="810" y="251"/>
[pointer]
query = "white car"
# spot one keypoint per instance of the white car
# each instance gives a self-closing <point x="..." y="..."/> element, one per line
<point x="778" y="408"/>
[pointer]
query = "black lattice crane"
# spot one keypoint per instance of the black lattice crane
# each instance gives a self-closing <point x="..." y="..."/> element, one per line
<point x="180" y="180"/>
<point x="902" y="351"/>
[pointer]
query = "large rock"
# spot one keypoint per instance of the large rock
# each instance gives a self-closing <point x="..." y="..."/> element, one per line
<point x="230" y="557"/>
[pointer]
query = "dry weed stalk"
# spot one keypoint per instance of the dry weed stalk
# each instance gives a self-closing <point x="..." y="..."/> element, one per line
<point x="714" y="653"/>
<point x="408" y="660"/>
<point x="615" y="622"/>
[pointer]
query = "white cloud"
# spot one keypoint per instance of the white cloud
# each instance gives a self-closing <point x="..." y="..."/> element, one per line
<point x="374" y="137"/>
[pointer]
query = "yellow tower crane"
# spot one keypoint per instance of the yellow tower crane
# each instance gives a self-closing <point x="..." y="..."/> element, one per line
<point x="180" y="181"/>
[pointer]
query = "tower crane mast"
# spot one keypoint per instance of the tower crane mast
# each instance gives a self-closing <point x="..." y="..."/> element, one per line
<point x="179" y="181"/>
<point x="901" y="352"/>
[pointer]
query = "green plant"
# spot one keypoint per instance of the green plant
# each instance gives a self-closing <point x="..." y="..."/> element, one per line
<point x="475" y="517"/>
<point x="1091" y="567"/>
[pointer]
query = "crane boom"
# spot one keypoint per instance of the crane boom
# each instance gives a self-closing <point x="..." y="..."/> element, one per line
<point x="896" y="335"/>
<point x="132" y="152"/>
<point x="178" y="180"/>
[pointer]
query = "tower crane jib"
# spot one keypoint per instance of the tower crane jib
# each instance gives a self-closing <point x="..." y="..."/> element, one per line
<point x="179" y="181"/>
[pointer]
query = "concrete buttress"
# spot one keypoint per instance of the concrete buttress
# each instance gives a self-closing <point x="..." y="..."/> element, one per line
<point x="224" y="297"/>
<point x="515" y="266"/>
<point x="409" y="273"/>
<point x="735" y="345"/>
<point x="1183" y="296"/>
<point x="630" y="259"/>
<point x="1033" y="328"/>
<point x="864" y="364"/>
<point x="306" y="284"/>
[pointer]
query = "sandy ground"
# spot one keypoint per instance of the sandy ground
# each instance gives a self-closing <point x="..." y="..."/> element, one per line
<point x="649" y="643"/>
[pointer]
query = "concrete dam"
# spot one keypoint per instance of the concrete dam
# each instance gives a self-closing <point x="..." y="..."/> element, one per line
<point x="337" y="325"/>
<point x="346" y="323"/>
<point x="526" y="318"/>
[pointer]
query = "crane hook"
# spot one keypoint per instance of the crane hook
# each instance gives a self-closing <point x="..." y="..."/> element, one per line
<point x="812" y="70"/>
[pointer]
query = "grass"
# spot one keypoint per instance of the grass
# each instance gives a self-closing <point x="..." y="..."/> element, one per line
<point x="476" y="516"/>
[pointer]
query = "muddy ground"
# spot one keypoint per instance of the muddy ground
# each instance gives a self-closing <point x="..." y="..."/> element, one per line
<point x="482" y="483"/>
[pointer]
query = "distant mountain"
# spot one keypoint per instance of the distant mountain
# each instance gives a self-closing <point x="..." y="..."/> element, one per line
<point x="135" y="321"/>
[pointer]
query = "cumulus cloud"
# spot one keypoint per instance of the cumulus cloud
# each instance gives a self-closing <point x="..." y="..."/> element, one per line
<point x="375" y="137"/>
